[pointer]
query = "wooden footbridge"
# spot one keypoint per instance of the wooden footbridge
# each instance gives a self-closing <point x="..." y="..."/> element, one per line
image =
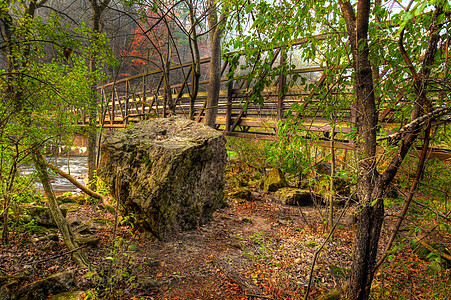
<point x="141" y="97"/>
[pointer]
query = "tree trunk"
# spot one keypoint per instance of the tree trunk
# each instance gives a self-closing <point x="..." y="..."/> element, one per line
<point x="371" y="186"/>
<point x="195" y="67"/>
<point x="61" y="222"/>
<point x="214" y="83"/>
<point x="372" y="208"/>
<point x="97" y="7"/>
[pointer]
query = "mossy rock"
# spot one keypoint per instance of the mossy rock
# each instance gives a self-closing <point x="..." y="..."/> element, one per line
<point x="246" y="220"/>
<point x="75" y="295"/>
<point x="173" y="173"/>
<point x="5" y="279"/>
<point x="98" y="223"/>
<point x="238" y="180"/>
<point x="42" y="214"/>
<point x="242" y="193"/>
<point x="274" y="181"/>
<point x="41" y="289"/>
<point x="332" y="295"/>
<point x="294" y="196"/>
<point x="65" y="199"/>
<point x="70" y="206"/>
<point x="87" y="239"/>
<point x="311" y="244"/>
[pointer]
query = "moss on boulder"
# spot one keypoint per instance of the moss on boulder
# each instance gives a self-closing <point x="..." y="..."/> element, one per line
<point x="41" y="214"/>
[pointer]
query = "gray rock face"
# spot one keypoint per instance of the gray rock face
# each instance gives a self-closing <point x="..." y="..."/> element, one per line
<point x="169" y="173"/>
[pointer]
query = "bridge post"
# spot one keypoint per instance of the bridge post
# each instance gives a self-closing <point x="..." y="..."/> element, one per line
<point x="144" y="98"/>
<point x="282" y="84"/>
<point x="126" y="114"/>
<point x="229" y="102"/>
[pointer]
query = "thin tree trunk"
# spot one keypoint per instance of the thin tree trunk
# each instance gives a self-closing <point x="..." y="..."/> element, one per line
<point x="214" y="82"/>
<point x="98" y="7"/>
<point x="63" y="225"/>
<point x="330" y="223"/>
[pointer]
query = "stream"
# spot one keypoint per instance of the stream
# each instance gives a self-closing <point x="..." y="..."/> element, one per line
<point x="78" y="167"/>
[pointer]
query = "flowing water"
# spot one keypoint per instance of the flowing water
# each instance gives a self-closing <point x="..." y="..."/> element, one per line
<point x="77" y="167"/>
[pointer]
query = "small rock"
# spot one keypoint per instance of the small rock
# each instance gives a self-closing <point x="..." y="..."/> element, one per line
<point x="147" y="283"/>
<point x="242" y="193"/>
<point x="285" y="220"/>
<point x="98" y="223"/>
<point x="350" y="219"/>
<point x="75" y="295"/>
<point x="87" y="239"/>
<point x="274" y="181"/>
<point x="293" y="196"/>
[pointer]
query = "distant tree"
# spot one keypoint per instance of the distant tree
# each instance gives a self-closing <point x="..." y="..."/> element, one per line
<point x="95" y="66"/>
<point x="217" y="17"/>
<point x="170" y="33"/>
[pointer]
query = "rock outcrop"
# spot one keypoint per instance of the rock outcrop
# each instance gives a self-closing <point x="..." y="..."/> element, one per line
<point x="169" y="173"/>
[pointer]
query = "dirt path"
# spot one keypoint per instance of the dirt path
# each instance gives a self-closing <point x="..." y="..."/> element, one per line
<point x="269" y="245"/>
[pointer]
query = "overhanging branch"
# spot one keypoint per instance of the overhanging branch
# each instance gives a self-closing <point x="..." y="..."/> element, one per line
<point x="435" y="114"/>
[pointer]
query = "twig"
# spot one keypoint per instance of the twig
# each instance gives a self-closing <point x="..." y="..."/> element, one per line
<point x="435" y="212"/>
<point x="252" y="295"/>
<point x="315" y="257"/>
<point x="56" y="256"/>
<point x="413" y="188"/>
<point x="418" y="122"/>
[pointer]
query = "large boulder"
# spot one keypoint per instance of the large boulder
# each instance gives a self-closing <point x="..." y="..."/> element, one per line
<point x="170" y="173"/>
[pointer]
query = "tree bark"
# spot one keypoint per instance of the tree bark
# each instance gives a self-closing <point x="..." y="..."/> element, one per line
<point x="371" y="186"/>
<point x="214" y="83"/>
<point x="195" y="55"/>
<point x="97" y="7"/>
<point x="369" y="192"/>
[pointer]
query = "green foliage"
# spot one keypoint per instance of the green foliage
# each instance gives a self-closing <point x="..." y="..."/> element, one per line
<point x="246" y="156"/>
<point x="43" y="89"/>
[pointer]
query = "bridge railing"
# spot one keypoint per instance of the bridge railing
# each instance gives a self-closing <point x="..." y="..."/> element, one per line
<point x="141" y="96"/>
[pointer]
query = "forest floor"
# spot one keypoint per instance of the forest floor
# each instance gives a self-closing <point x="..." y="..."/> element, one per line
<point x="269" y="245"/>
